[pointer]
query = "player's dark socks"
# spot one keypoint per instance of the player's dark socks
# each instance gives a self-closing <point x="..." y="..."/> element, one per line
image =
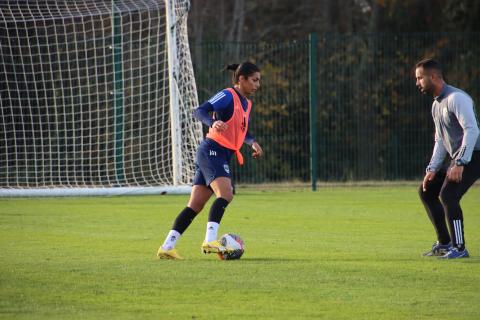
<point x="217" y="209"/>
<point x="184" y="219"/>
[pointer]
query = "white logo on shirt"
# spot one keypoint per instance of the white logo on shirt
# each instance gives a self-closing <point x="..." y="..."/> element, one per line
<point x="213" y="153"/>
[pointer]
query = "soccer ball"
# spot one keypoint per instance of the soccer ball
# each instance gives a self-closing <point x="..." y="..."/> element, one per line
<point x="231" y="241"/>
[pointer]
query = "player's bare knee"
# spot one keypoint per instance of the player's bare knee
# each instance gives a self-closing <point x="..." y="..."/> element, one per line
<point x="196" y="205"/>
<point x="227" y="196"/>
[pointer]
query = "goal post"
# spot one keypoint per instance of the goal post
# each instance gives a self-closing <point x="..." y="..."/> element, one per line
<point x="96" y="98"/>
<point x="173" y="90"/>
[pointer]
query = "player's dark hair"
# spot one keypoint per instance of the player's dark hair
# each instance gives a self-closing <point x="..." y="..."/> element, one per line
<point x="430" y="65"/>
<point x="245" y="69"/>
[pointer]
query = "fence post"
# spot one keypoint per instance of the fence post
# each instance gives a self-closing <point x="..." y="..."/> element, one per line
<point x="313" y="108"/>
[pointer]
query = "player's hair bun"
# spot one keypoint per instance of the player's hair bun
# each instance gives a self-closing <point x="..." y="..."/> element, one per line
<point x="232" y="67"/>
<point x="245" y="69"/>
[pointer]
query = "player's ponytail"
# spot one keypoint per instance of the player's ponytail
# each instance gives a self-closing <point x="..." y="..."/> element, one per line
<point x="245" y="69"/>
<point x="232" y="67"/>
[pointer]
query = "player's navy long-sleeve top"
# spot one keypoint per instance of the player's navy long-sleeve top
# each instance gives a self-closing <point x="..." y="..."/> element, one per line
<point x="221" y="105"/>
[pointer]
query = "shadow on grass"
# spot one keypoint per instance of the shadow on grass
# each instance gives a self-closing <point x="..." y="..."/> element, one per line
<point x="243" y="259"/>
<point x="470" y="260"/>
<point x="272" y="259"/>
<point x="360" y="259"/>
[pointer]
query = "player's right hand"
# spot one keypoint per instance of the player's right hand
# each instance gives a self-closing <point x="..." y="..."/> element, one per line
<point x="220" y="126"/>
<point x="428" y="177"/>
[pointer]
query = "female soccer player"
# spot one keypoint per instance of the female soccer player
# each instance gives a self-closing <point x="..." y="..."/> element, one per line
<point x="228" y="131"/>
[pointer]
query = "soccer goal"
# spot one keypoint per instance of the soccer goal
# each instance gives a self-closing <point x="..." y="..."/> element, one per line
<point x="96" y="98"/>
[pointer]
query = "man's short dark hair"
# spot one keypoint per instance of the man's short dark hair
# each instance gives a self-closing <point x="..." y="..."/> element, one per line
<point x="430" y="65"/>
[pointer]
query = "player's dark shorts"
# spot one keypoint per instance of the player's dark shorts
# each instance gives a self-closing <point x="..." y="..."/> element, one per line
<point x="212" y="161"/>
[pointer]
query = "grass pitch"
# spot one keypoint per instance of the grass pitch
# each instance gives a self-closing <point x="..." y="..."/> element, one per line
<point x="339" y="253"/>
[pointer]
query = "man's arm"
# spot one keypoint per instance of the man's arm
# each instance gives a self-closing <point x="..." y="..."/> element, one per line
<point x="463" y="108"/>
<point x="438" y="155"/>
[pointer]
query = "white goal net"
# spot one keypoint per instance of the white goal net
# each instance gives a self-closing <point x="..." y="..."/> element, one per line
<point x="96" y="97"/>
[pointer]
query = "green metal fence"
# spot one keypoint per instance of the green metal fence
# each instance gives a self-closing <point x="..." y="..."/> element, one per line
<point x="372" y="122"/>
<point x="280" y="108"/>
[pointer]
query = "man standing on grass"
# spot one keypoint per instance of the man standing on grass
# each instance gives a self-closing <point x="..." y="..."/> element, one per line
<point x="456" y="133"/>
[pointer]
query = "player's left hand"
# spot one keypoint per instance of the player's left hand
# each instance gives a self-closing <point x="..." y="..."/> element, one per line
<point x="257" y="150"/>
<point x="455" y="173"/>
